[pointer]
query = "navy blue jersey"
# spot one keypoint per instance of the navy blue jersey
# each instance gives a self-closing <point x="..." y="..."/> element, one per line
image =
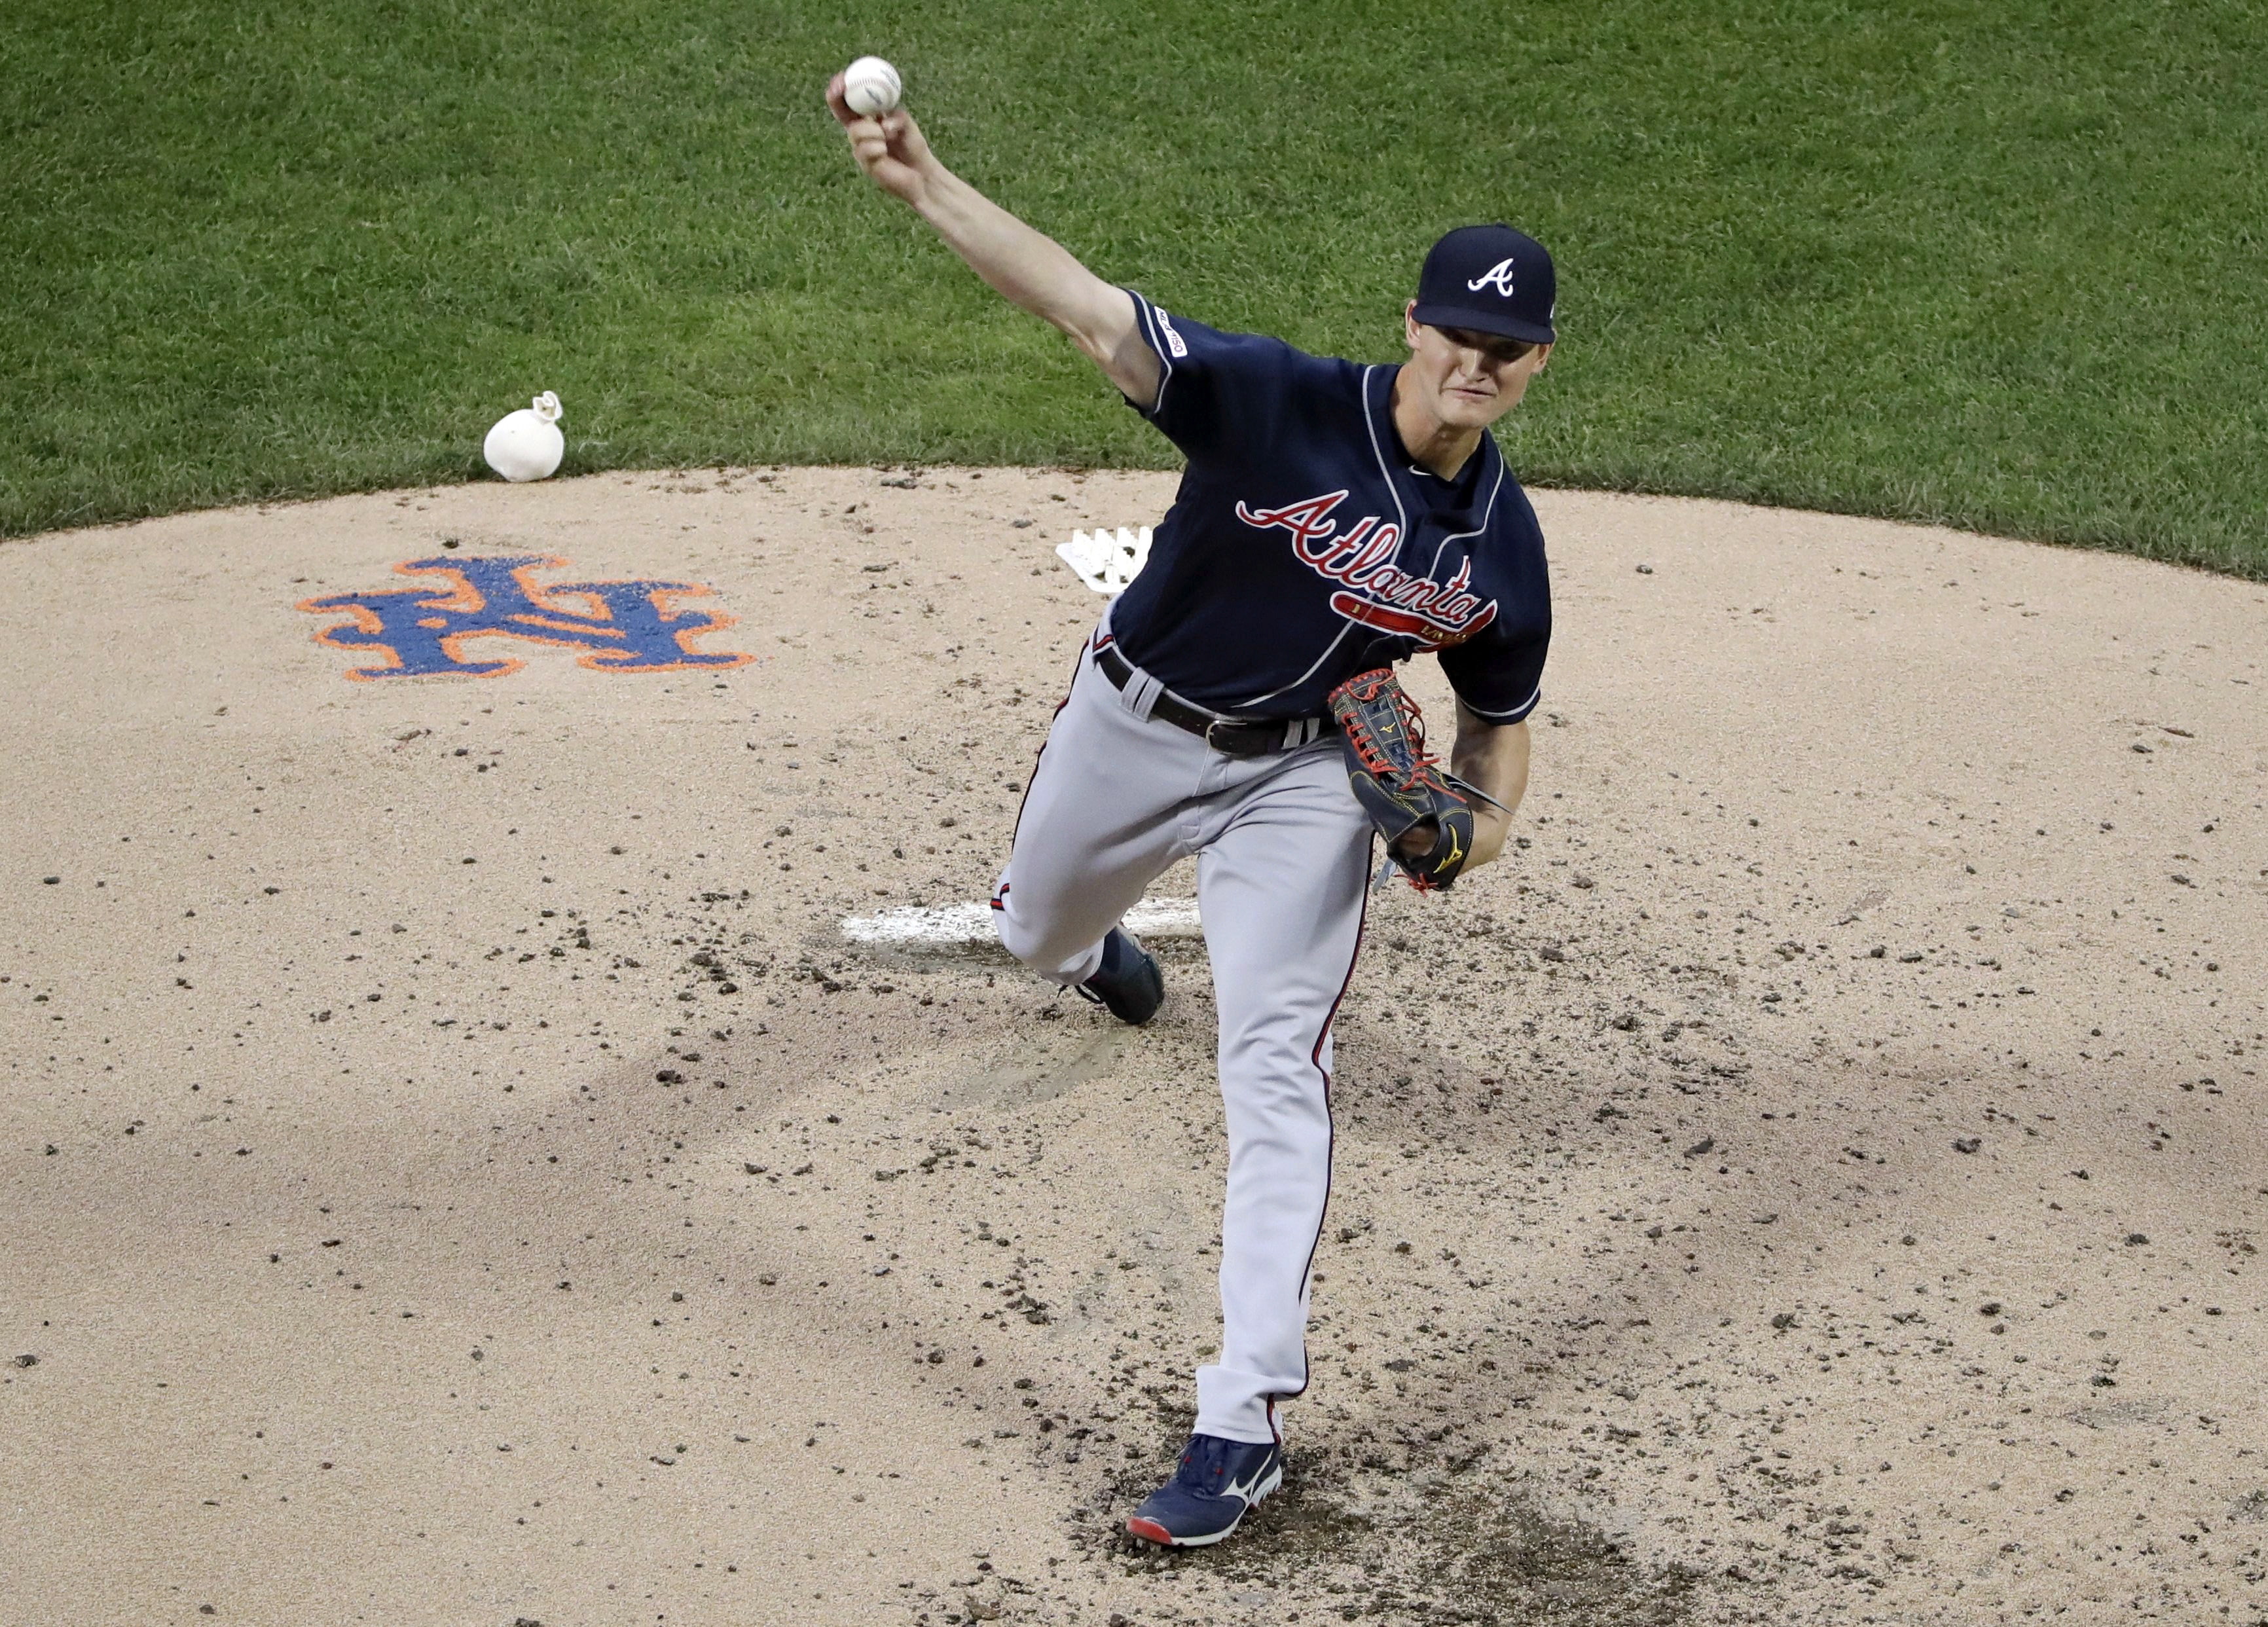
<point x="1306" y="545"/>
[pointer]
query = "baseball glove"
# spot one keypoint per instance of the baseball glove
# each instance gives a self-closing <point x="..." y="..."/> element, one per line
<point x="1420" y="808"/>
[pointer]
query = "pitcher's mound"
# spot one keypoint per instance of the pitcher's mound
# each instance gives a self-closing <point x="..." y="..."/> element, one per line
<point x="458" y="1169"/>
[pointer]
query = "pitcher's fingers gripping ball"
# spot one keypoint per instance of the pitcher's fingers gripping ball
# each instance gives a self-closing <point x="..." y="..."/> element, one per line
<point x="887" y="143"/>
<point x="871" y="87"/>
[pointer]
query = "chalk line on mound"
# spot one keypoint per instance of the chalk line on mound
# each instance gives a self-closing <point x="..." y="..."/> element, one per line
<point x="918" y="927"/>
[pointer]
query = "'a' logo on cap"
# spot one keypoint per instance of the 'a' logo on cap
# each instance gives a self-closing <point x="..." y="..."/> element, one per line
<point x="1497" y="277"/>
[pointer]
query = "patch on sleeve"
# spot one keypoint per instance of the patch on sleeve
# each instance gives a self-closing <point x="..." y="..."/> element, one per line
<point x="1173" y="341"/>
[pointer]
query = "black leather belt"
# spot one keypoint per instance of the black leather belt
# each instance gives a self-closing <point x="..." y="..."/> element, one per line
<point x="1233" y="737"/>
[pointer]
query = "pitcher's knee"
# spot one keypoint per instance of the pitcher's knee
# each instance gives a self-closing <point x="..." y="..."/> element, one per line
<point x="1057" y="953"/>
<point x="1020" y="938"/>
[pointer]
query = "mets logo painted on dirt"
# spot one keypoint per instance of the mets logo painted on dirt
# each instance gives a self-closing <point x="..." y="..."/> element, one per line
<point x="425" y="631"/>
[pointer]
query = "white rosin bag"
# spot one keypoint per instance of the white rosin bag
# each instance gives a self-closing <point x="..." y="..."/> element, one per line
<point x="527" y="444"/>
<point x="1107" y="563"/>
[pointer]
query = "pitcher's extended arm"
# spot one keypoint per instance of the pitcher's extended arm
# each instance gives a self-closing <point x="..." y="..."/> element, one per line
<point x="1028" y="268"/>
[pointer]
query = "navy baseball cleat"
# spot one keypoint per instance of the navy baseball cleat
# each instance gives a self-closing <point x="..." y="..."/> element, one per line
<point x="1217" y="1481"/>
<point x="1128" y="982"/>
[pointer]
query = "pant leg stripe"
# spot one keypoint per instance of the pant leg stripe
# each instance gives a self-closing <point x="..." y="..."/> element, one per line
<point x="1330" y="1146"/>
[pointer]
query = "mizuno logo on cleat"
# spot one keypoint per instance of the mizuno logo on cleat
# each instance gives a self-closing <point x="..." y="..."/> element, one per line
<point x="1243" y="1490"/>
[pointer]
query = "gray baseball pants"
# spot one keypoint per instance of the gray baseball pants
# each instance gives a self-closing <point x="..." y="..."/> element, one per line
<point x="1282" y="858"/>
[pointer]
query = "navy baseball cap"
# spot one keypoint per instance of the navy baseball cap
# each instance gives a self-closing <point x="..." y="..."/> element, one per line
<point x="1493" y="280"/>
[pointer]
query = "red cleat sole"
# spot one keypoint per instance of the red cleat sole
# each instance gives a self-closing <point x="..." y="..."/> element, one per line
<point x="1150" y="1531"/>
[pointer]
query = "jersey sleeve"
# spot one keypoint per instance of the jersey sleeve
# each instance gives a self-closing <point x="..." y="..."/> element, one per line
<point x="1499" y="672"/>
<point x="1220" y="395"/>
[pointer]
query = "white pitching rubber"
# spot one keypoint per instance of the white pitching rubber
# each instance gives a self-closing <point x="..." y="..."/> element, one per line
<point x="937" y="927"/>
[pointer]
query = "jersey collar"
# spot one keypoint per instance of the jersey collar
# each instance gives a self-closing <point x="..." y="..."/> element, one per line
<point x="1461" y="502"/>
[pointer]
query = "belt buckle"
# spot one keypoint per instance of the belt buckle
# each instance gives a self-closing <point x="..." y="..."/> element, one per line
<point x="1213" y="739"/>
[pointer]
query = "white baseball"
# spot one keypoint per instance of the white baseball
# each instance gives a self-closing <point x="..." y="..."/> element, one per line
<point x="527" y="444"/>
<point x="871" y="87"/>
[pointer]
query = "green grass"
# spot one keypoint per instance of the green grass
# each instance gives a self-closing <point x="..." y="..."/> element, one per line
<point x="1998" y="263"/>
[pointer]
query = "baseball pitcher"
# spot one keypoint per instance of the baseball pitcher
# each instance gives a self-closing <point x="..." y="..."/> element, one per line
<point x="1238" y="703"/>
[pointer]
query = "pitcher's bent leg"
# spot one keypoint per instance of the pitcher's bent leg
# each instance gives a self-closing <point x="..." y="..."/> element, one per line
<point x="1098" y="825"/>
<point x="1282" y="892"/>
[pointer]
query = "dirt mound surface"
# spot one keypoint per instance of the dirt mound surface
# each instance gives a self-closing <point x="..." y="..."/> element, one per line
<point x="458" y="1170"/>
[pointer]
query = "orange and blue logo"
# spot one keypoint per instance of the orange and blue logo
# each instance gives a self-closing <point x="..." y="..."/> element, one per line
<point x="427" y="630"/>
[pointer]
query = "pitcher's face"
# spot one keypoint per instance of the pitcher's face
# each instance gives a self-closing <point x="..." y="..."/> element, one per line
<point x="1469" y="379"/>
